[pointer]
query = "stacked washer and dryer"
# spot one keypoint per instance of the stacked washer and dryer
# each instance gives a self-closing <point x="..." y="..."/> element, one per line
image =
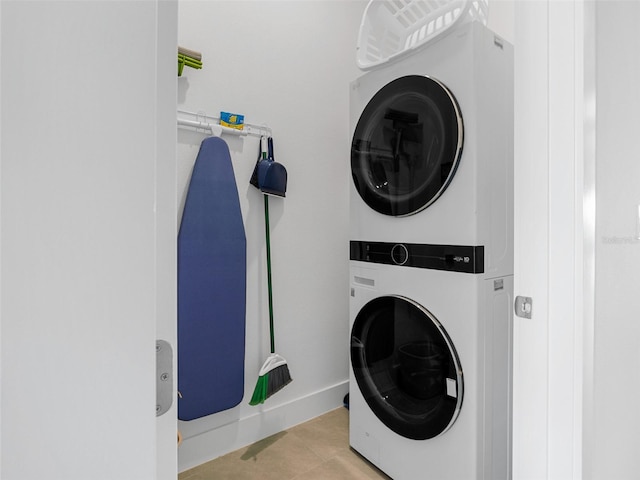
<point x="431" y="260"/>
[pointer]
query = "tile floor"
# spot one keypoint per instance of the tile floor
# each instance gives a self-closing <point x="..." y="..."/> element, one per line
<point x="315" y="450"/>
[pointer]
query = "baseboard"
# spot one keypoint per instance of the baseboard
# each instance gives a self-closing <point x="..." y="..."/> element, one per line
<point x="214" y="443"/>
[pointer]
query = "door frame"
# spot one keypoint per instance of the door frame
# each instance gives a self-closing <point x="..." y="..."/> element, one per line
<point x="554" y="214"/>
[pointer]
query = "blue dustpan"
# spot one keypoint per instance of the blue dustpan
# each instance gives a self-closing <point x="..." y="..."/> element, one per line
<point x="272" y="176"/>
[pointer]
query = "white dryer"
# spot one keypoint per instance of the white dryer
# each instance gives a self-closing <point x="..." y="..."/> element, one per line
<point x="432" y="147"/>
<point x="430" y="371"/>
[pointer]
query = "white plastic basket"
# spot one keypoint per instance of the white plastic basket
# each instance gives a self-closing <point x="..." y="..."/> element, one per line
<point x="393" y="28"/>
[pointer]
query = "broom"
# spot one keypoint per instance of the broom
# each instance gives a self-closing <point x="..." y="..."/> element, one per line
<point x="274" y="374"/>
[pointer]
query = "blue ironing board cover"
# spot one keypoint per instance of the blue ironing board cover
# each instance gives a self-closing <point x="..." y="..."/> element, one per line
<point x="211" y="288"/>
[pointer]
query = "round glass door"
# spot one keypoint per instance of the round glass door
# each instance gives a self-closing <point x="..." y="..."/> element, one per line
<point x="407" y="145"/>
<point x="406" y="367"/>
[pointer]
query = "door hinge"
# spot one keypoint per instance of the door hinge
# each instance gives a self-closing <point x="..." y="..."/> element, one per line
<point x="524" y="306"/>
<point x="164" y="377"/>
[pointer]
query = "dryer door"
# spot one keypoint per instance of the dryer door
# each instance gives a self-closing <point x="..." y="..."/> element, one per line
<point x="406" y="367"/>
<point x="407" y="145"/>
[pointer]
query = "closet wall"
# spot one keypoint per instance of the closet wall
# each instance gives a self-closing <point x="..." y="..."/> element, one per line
<point x="288" y="65"/>
<point x="616" y="331"/>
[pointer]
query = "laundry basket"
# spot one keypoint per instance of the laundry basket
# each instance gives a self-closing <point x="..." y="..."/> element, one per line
<point x="393" y="28"/>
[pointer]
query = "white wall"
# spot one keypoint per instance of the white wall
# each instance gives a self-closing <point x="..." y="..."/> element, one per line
<point x="287" y="64"/>
<point x="502" y="18"/>
<point x="85" y="176"/>
<point x="617" y="330"/>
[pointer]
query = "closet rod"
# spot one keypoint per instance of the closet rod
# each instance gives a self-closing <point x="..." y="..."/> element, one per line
<point x="212" y="124"/>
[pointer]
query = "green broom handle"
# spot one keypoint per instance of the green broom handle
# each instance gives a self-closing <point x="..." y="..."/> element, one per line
<point x="266" y="225"/>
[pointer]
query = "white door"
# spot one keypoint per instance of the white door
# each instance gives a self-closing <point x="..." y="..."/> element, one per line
<point x="87" y="212"/>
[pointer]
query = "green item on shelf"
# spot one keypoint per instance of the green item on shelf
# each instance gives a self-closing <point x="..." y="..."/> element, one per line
<point x="188" y="61"/>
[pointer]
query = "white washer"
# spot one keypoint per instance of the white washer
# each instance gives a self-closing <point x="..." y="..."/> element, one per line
<point x="430" y="372"/>
<point x="432" y="147"/>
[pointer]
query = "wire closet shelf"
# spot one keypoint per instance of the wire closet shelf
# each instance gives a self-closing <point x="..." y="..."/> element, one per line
<point x="211" y="124"/>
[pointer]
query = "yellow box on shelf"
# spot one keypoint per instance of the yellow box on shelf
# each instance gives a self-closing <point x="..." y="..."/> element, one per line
<point x="232" y="120"/>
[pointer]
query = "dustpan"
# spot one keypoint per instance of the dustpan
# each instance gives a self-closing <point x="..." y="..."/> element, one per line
<point x="390" y="30"/>
<point x="262" y="155"/>
<point x="272" y="176"/>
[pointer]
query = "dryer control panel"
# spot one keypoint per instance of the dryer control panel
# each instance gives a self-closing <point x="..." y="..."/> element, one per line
<point x="455" y="258"/>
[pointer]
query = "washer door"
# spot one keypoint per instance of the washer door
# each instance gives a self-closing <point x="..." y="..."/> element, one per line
<point x="407" y="145"/>
<point x="406" y="367"/>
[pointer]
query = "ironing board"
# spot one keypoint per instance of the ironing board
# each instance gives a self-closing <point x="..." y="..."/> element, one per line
<point x="211" y="288"/>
